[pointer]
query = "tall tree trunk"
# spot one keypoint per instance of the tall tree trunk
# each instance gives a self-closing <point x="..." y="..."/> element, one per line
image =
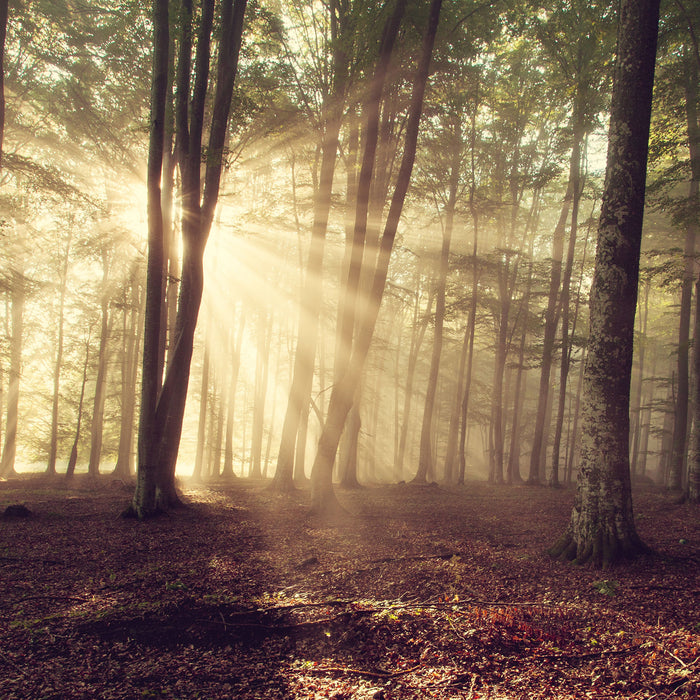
<point x="575" y="176"/>
<point x="680" y="424"/>
<point x="513" y="470"/>
<point x="310" y="306"/>
<point x="218" y="432"/>
<point x="455" y="412"/>
<point x="507" y="275"/>
<point x="425" y="459"/>
<point x="639" y="392"/>
<point x="18" y="297"/>
<point x="98" y="405"/>
<point x="3" y="33"/>
<point x="227" y="472"/>
<point x="691" y="100"/>
<point x="144" y="500"/>
<point x="417" y="335"/>
<point x="262" y="362"/>
<point x="124" y="466"/>
<point x="550" y="329"/>
<point x="73" y="458"/>
<point x="469" y="334"/>
<point x="198" y="472"/>
<point x="601" y="529"/>
<point x="156" y="489"/>
<point x="53" y="438"/>
<point x="323" y="499"/>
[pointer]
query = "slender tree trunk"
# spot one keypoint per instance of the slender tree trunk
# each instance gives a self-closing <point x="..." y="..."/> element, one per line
<point x="637" y="409"/>
<point x="261" y="377"/>
<point x="550" y="329"/>
<point x="198" y="472"/>
<point x="323" y="499"/>
<point x="680" y="425"/>
<point x="161" y="445"/>
<point x="53" y="438"/>
<point x="575" y="177"/>
<point x="417" y="335"/>
<point x="602" y="529"/>
<point x="3" y="33"/>
<point x="218" y="433"/>
<point x="425" y="465"/>
<point x="513" y="470"/>
<point x="18" y="296"/>
<point x="469" y="339"/>
<point x="694" y="190"/>
<point x="307" y="336"/>
<point x="507" y="275"/>
<point x="231" y="400"/>
<point x="144" y="500"/>
<point x="123" y="468"/>
<point x="73" y="458"/>
<point x="98" y="406"/>
<point x="455" y="412"/>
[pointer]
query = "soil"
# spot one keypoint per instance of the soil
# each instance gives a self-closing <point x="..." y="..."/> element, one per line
<point x="419" y="592"/>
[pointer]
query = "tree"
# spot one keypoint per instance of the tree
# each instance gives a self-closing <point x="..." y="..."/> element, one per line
<point x="296" y="415"/>
<point x="162" y="407"/>
<point x="576" y="37"/>
<point x="454" y="156"/>
<point x="322" y="497"/>
<point x="3" y="33"/>
<point x="601" y="529"/>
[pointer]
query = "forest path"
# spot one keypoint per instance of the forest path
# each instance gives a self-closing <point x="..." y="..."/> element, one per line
<point x="418" y="592"/>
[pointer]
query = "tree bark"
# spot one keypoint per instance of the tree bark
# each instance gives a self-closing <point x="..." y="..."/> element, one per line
<point x="694" y="190"/>
<point x="98" y="404"/>
<point x="601" y="529"/>
<point x="73" y="458"/>
<point x="124" y="466"/>
<point x="323" y="500"/>
<point x="53" y="438"/>
<point x="295" y="421"/>
<point x="425" y="459"/>
<point x="198" y="472"/>
<point x="575" y="178"/>
<point x="417" y="335"/>
<point x="227" y="472"/>
<point x="3" y="33"/>
<point x="144" y="500"/>
<point x="18" y="296"/>
<point x="550" y="329"/>
<point x="156" y="490"/>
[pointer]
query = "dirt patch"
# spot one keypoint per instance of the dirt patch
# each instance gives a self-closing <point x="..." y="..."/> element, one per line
<point x="417" y="593"/>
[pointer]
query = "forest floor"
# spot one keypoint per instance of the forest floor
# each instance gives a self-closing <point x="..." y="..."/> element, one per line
<point x="420" y="592"/>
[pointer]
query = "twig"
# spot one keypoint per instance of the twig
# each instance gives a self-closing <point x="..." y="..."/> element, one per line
<point x="19" y="670"/>
<point x="46" y="597"/>
<point x="592" y="655"/>
<point x="356" y="671"/>
<point x="27" y="560"/>
<point x="417" y="557"/>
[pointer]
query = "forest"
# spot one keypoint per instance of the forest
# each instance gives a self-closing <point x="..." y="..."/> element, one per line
<point x="377" y="322"/>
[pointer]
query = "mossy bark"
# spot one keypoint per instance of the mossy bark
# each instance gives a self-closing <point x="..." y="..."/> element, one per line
<point x="601" y="530"/>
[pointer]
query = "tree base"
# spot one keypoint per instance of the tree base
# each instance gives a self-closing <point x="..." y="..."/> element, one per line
<point x="328" y="509"/>
<point x="131" y="512"/>
<point x="283" y="486"/>
<point x="600" y="552"/>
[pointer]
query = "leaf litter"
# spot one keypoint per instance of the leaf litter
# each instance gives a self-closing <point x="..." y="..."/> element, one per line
<point x="416" y="593"/>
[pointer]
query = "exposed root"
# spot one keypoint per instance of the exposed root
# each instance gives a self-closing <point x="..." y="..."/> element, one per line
<point x="602" y="551"/>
